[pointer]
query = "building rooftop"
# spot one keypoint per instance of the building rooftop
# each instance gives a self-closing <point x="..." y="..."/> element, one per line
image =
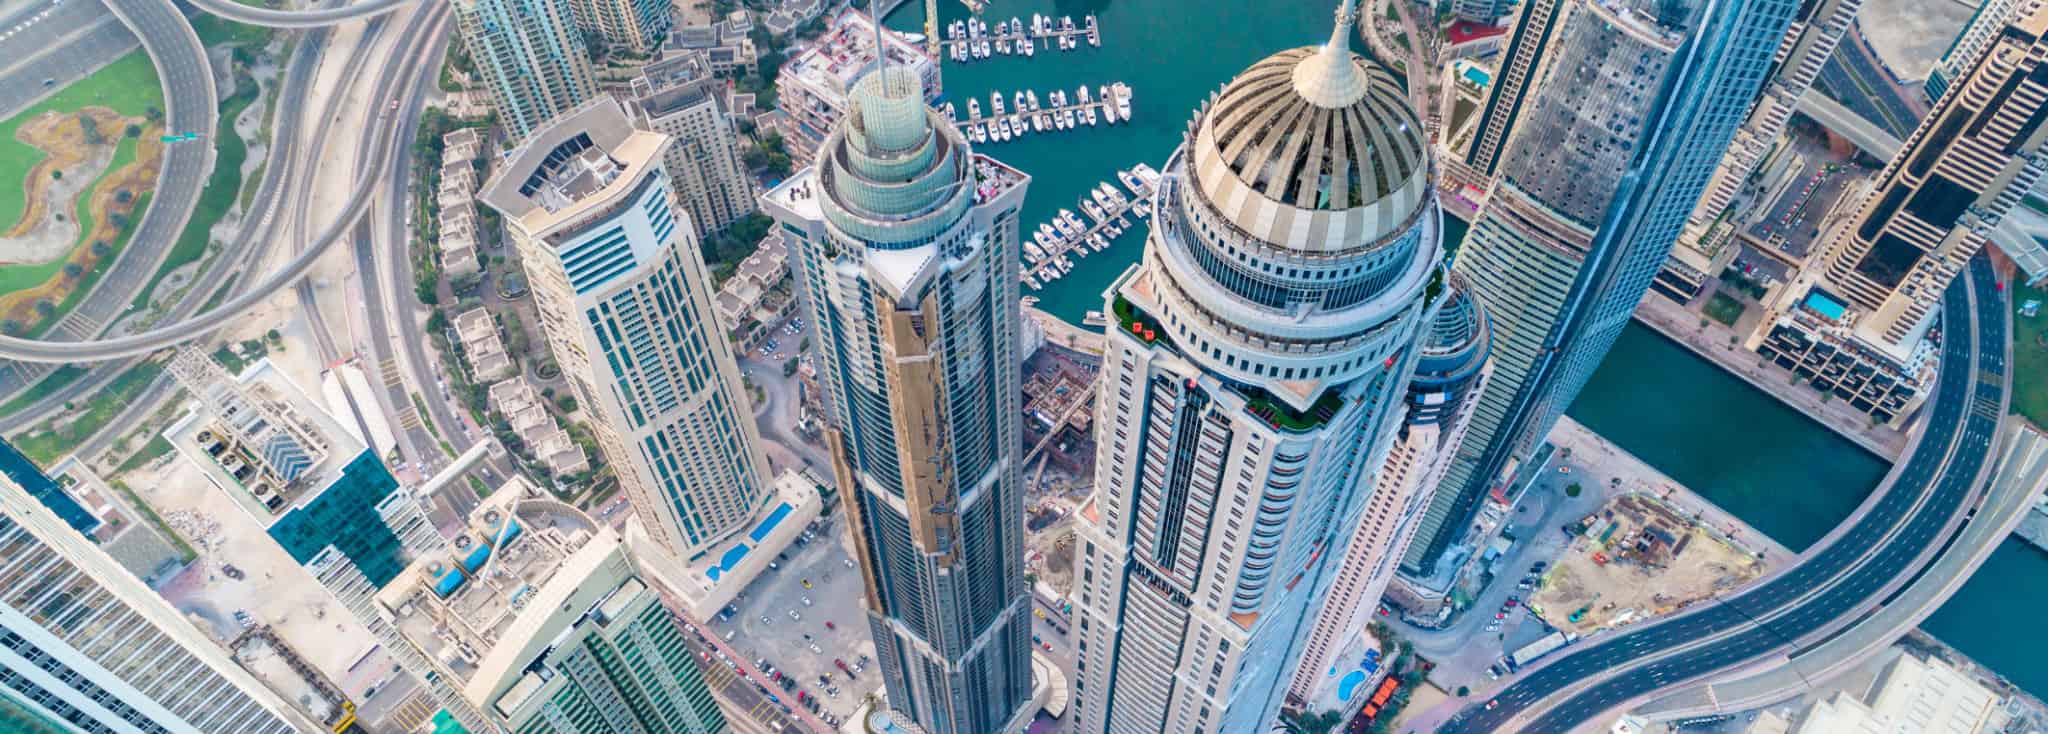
<point x="572" y="167"/>
<point x="262" y="438"/>
<point x="847" y="51"/>
<point x="477" y="609"/>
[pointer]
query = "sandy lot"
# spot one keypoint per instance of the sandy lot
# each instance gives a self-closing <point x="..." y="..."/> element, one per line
<point x="1652" y="562"/>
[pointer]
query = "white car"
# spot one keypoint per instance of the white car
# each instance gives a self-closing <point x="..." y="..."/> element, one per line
<point x="807" y="602"/>
<point x="793" y="615"/>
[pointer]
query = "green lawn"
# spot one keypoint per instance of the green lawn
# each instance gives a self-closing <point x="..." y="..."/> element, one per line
<point x="1724" y="308"/>
<point x="222" y="188"/>
<point x="2029" y="358"/>
<point x="216" y="31"/>
<point x="157" y="446"/>
<point x="128" y="86"/>
<point x="47" y="442"/>
<point x="64" y="375"/>
<point x="18" y="277"/>
<point x="93" y="276"/>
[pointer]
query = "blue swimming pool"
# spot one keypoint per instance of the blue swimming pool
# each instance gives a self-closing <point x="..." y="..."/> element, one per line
<point x="1821" y="304"/>
<point x="1349" y="684"/>
<point x="768" y="524"/>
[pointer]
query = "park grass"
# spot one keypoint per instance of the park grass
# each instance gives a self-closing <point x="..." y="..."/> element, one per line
<point x="217" y="31"/>
<point x="222" y="189"/>
<point x="128" y="86"/>
<point x="22" y="277"/>
<point x="1724" y="308"/>
<point x="85" y="283"/>
<point x="49" y="441"/>
<point x="50" y="383"/>
<point x="156" y="447"/>
<point x="2029" y="359"/>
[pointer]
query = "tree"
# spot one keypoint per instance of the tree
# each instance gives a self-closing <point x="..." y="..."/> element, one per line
<point x="1464" y="691"/>
<point x="789" y="368"/>
<point x="91" y="129"/>
<point x="1573" y="490"/>
<point x="465" y="284"/>
<point x="10" y="327"/>
<point x="152" y="114"/>
<point x="132" y="131"/>
<point x="124" y="196"/>
<point x="73" y="270"/>
<point x="100" y="248"/>
<point x="56" y="174"/>
<point x="567" y="403"/>
<point x="45" y="308"/>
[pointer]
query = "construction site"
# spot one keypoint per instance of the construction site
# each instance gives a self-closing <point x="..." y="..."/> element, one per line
<point x="1635" y="559"/>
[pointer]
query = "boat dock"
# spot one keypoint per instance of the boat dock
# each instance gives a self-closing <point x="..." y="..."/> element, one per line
<point x="973" y="39"/>
<point x="1051" y="251"/>
<point x="1024" y="114"/>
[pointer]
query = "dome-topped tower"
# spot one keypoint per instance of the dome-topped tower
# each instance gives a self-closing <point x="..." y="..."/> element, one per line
<point x="1313" y="149"/>
<point x="1296" y="226"/>
<point x="1253" y="383"/>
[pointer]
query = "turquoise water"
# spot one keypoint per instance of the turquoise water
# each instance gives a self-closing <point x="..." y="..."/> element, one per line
<point x="1172" y="54"/>
<point x="1769" y="465"/>
<point x="1784" y="474"/>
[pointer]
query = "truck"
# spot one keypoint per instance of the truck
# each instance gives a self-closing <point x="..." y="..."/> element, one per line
<point x="1530" y="652"/>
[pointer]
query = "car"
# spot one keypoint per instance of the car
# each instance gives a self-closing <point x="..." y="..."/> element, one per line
<point x="807" y="583"/>
<point x="773" y="566"/>
<point x="764" y="619"/>
<point x="1500" y="615"/>
<point x="795" y="616"/>
<point x="243" y="618"/>
<point x="806" y="600"/>
<point x="1490" y="705"/>
<point x="830" y="626"/>
<point x="848" y="562"/>
<point x="1512" y="602"/>
<point x="814" y="648"/>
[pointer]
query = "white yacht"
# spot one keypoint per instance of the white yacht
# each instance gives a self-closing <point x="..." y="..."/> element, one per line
<point x="1123" y="100"/>
<point x="973" y="109"/>
<point x="979" y="133"/>
<point x="995" y="104"/>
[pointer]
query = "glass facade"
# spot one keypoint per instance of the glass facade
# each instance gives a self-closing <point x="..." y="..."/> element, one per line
<point x="344" y="515"/>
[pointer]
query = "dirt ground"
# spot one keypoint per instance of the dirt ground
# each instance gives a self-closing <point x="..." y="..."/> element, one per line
<point x="63" y="139"/>
<point x="1645" y="573"/>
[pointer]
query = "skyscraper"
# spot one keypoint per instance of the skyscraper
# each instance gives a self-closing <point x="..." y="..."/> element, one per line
<point x="1252" y="383"/>
<point x="634" y="26"/>
<point x="85" y="646"/>
<point x="625" y="301"/>
<point x="1638" y="106"/>
<point x="1513" y="83"/>
<point x="1855" y="320"/>
<point x="530" y="55"/>
<point x="1704" y="248"/>
<point x="679" y="97"/>
<point x="907" y="250"/>
<point x="1449" y="372"/>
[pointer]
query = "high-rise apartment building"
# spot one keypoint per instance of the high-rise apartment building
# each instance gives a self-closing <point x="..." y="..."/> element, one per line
<point x="906" y="244"/>
<point x="1450" y="370"/>
<point x="537" y="620"/>
<point x="1706" y="247"/>
<point x="625" y="300"/>
<point x="1252" y="384"/>
<point x="85" y="646"/>
<point x="633" y="26"/>
<point x="1863" y="308"/>
<point x="812" y="91"/>
<point x="1514" y="82"/>
<point x="679" y="97"/>
<point x="530" y="55"/>
<point x="1619" y="142"/>
<point x="1985" y="24"/>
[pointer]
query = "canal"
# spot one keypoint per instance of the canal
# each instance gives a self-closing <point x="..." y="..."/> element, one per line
<point x="1785" y="475"/>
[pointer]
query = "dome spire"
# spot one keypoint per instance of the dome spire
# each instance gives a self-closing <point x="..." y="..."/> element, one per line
<point x="1330" y="78"/>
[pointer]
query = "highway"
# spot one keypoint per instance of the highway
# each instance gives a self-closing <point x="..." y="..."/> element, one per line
<point x="317" y="18"/>
<point x="1889" y="540"/>
<point x="283" y="161"/>
<point x="189" y="98"/>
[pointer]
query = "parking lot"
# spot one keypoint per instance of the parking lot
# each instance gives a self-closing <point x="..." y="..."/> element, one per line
<point x="773" y="623"/>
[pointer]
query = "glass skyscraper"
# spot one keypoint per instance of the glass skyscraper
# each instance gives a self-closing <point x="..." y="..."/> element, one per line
<point x="907" y="248"/>
<point x="1636" y="109"/>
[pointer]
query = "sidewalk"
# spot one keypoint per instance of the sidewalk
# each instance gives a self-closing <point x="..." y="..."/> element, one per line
<point x="1720" y="344"/>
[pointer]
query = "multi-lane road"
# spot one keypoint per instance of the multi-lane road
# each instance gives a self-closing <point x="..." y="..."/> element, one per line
<point x="1890" y="539"/>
